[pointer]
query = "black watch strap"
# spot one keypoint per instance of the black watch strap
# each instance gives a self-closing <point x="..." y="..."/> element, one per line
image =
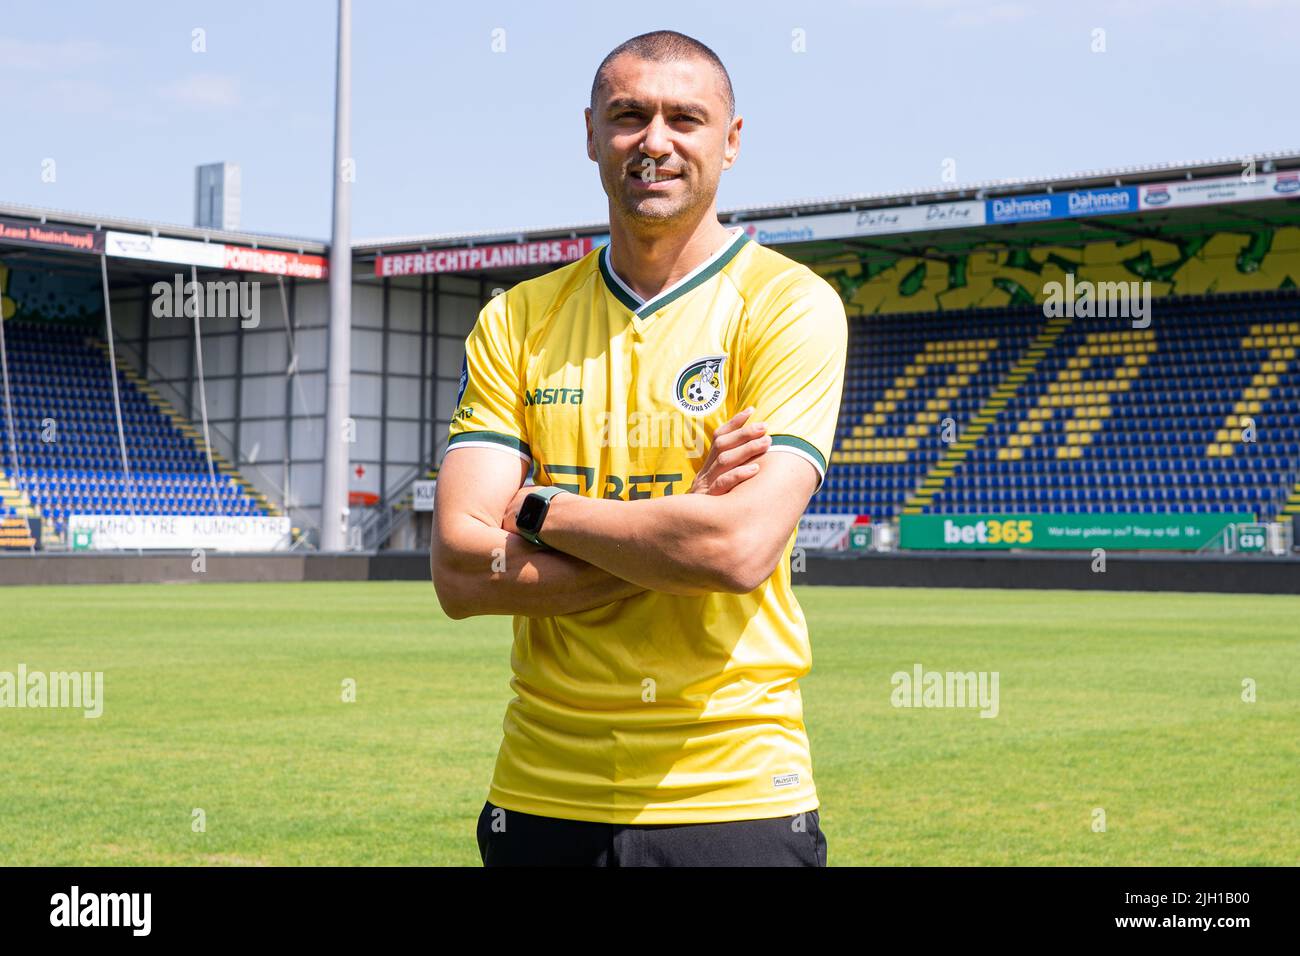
<point x="546" y="493"/>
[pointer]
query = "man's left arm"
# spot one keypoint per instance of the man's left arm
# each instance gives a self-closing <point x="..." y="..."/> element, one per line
<point x="792" y="372"/>
<point x="688" y="544"/>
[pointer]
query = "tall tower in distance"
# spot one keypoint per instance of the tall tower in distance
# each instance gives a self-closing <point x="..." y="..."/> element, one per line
<point x="216" y="196"/>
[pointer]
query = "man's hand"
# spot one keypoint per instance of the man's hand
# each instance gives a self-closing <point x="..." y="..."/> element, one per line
<point x="733" y="457"/>
<point x="478" y="568"/>
<point x="690" y="544"/>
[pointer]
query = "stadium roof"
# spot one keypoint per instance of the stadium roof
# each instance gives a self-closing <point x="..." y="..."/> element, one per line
<point x="1115" y="176"/>
<point x="257" y="240"/>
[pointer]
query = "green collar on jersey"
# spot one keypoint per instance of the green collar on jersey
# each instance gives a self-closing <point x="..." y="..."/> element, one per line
<point x="702" y="273"/>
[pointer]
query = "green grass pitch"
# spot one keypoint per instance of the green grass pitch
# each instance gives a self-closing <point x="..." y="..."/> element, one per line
<point x="228" y="698"/>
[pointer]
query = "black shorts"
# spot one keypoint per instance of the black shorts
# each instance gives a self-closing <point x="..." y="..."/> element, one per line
<point x="511" y="838"/>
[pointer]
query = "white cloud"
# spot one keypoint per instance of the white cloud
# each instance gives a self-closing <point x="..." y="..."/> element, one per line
<point x="989" y="14"/>
<point x="79" y="96"/>
<point x="959" y="13"/>
<point x="205" y="91"/>
<point x="16" y="54"/>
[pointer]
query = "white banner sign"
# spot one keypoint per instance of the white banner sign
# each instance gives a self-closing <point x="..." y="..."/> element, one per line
<point x="867" y="222"/>
<point x="211" y="255"/>
<point x="214" y="255"/>
<point x="422" y="495"/>
<point x="925" y="217"/>
<point x="178" y="532"/>
<point x="825" y="532"/>
<point x="1205" y="192"/>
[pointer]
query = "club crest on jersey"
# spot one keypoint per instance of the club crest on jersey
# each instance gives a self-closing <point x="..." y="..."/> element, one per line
<point x="700" y="386"/>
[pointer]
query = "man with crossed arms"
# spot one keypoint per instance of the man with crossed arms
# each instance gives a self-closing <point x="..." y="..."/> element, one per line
<point x="657" y="641"/>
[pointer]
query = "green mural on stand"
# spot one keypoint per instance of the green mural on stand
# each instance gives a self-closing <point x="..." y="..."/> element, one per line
<point x="992" y="274"/>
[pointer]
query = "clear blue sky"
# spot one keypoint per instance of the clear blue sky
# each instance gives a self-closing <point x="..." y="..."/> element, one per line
<point x="450" y="136"/>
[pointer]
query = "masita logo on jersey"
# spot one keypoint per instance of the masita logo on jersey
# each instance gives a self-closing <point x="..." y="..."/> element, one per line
<point x="700" y="387"/>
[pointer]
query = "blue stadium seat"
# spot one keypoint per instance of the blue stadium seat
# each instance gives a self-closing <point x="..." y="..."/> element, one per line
<point x="56" y="372"/>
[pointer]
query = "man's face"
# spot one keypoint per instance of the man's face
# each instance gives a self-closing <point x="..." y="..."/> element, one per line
<point x="661" y="137"/>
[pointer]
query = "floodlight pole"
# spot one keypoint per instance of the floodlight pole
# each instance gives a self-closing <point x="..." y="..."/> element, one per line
<point x="338" y="429"/>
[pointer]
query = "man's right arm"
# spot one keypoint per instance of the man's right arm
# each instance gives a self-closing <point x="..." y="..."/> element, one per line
<point x="480" y="568"/>
<point x="477" y="566"/>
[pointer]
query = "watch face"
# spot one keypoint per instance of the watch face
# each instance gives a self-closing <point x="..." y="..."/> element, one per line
<point x="530" y="514"/>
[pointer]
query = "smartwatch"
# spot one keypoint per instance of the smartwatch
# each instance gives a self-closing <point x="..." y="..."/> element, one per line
<point x="532" y="513"/>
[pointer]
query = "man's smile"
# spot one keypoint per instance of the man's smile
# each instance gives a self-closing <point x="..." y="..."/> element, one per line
<point x="657" y="182"/>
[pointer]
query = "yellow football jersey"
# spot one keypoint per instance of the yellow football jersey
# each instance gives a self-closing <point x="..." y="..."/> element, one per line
<point x="657" y="708"/>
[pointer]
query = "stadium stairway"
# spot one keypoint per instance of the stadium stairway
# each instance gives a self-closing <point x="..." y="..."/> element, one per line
<point x="1292" y="505"/>
<point x="15" y="509"/>
<point x="1197" y="413"/>
<point x="906" y="374"/>
<point x="987" y="414"/>
<point x="1282" y="340"/>
<point x="187" y="428"/>
<point x="407" y="501"/>
<point x="68" y="455"/>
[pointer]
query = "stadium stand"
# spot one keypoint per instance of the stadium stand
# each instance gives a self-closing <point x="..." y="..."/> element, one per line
<point x="1073" y="414"/>
<point x="68" y="456"/>
<point x="986" y="410"/>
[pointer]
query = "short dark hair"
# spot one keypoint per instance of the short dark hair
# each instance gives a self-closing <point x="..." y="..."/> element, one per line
<point x="665" y="46"/>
